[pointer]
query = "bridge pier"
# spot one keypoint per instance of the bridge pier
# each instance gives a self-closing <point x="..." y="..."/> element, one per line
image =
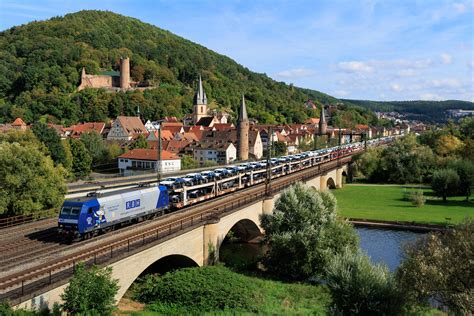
<point x="211" y="242"/>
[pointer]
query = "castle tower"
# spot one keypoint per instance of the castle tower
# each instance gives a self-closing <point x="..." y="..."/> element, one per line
<point x="243" y="132"/>
<point x="200" y="103"/>
<point x="322" y="122"/>
<point x="124" y="73"/>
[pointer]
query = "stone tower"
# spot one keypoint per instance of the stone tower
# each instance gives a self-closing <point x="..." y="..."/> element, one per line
<point x="243" y="132"/>
<point x="322" y="122"/>
<point x="124" y="73"/>
<point x="200" y="103"/>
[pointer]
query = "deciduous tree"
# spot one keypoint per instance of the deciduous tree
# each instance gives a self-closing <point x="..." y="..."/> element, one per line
<point x="90" y="292"/>
<point x="29" y="182"/>
<point x="359" y="287"/>
<point x="81" y="159"/>
<point x="439" y="267"/>
<point x="445" y="183"/>
<point x="303" y="233"/>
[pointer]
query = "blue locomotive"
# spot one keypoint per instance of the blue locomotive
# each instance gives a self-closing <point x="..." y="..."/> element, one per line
<point x="96" y="213"/>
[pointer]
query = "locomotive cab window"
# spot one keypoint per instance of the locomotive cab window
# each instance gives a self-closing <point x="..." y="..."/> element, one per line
<point x="66" y="210"/>
<point x="89" y="211"/>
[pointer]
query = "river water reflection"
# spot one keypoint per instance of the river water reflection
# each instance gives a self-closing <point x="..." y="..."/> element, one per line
<point x="385" y="245"/>
<point x="382" y="245"/>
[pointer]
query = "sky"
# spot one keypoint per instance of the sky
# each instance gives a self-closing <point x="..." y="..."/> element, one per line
<point x="367" y="49"/>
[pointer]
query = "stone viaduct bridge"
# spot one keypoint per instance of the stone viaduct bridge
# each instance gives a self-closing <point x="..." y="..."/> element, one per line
<point x="197" y="243"/>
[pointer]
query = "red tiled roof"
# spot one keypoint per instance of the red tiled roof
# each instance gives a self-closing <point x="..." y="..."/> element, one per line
<point x="79" y="129"/>
<point x="132" y="125"/>
<point x="312" y="120"/>
<point x="361" y="126"/>
<point x="148" y="154"/>
<point x="222" y="127"/>
<point x="18" y="122"/>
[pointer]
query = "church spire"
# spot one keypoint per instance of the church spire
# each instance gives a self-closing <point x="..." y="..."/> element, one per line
<point x="243" y="110"/>
<point x="200" y="96"/>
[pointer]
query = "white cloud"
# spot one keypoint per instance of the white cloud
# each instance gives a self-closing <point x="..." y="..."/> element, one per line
<point x="340" y="93"/>
<point x="471" y="64"/>
<point x="396" y="87"/>
<point x="295" y="73"/>
<point x="446" y="58"/>
<point x="355" y="66"/>
<point x="430" y="97"/>
<point x="459" y="7"/>
<point x="445" y="83"/>
<point x="407" y="73"/>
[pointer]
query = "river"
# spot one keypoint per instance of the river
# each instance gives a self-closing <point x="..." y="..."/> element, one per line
<point x="385" y="245"/>
<point x="382" y="246"/>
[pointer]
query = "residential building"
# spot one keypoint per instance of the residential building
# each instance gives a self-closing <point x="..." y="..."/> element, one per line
<point x="138" y="160"/>
<point x="126" y="128"/>
<point x="221" y="153"/>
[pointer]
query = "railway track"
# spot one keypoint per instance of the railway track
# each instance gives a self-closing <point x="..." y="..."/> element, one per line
<point x="16" y="284"/>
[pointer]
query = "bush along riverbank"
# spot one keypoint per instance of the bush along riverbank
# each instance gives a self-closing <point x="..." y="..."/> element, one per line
<point x="219" y="290"/>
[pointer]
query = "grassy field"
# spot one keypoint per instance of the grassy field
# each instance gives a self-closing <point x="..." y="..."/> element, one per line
<point x="210" y="290"/>
<point x="386" y="202"/>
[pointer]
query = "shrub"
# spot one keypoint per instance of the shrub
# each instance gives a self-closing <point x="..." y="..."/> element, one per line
<point x="198" y="290"/>
<point x="417" y="198"/>
<point x="360" y="288"/>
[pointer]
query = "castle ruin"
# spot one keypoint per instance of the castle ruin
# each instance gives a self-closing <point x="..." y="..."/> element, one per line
<point x="113" y="80"/>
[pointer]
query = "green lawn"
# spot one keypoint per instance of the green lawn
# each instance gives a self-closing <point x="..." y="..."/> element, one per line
<point x="385" y="202"/>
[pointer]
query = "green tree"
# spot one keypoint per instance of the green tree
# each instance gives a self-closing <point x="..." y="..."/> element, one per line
<point x="279" y="149"/>
<point x="90" y="292"/>
<point x="360" y="288"/>
<point x="465" y="171"/>
<point x="303" y="233"/>
<point x="81" y="159"/>
<point x="445" y="183"/>
<point x="466" y="127"/>
<point x="467" y="149"/>
<point x="367" y="162"/>
<point x="405" y="161"/>
<point x="140" y="142"/>
<point x="439" y="267"/>
<point x="52" y="141"/>
<point x="113" y="151"/>
<point x="95" y="145"/>
<point x="188" y="162"/>
<point x="29" y="182"/>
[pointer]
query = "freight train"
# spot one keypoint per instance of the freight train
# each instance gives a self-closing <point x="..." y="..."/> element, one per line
<point x="85" y="217"/>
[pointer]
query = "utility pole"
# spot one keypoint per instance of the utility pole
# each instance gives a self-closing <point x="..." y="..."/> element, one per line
<point x="268" y="181"/>
<point x="364" y="135"/>
<point x="158" y="162"/>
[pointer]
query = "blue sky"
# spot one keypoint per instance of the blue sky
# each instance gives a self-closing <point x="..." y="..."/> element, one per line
<point x="377" y="50"/>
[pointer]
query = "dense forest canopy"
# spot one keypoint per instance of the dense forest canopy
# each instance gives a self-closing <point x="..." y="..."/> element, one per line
<point x="431" y="111"/>
<point x="40" y="65"/>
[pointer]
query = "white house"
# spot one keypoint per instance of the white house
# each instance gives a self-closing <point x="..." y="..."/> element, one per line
<point x="137" y="160"/>
<point x="221" y="153"/>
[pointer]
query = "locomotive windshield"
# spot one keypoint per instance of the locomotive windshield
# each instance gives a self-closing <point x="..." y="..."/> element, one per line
<point x="68" y="210"/>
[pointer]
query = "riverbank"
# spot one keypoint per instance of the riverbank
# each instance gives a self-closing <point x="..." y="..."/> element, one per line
<point x="366" y="203"/>
<point x="217" y="290"/>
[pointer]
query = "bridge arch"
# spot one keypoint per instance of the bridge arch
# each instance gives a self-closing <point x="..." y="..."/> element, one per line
<point x="244" y="230"/>
<point x="172" y="253"/>
<point x="330" y="184"/>
<point x="161" y="266"/>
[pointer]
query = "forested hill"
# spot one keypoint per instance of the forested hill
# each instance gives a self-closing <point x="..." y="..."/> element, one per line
<point x="40" y="65"/>
<point x="432" y="111"/>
